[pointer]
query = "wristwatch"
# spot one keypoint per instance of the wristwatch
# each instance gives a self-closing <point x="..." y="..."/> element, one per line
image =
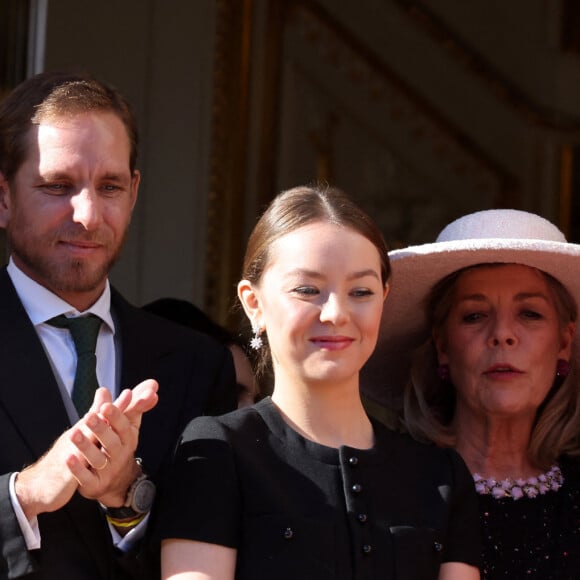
<point x="139" y="500"/>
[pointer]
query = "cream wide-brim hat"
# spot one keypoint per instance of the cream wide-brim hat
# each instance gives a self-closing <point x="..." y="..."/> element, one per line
<point x="491" y="236"/>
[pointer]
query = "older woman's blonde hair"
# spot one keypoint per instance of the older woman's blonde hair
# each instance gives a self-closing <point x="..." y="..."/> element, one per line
<point x="429" y="403"/>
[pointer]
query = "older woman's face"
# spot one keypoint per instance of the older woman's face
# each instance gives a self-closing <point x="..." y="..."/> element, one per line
<point x="502" y="340"/>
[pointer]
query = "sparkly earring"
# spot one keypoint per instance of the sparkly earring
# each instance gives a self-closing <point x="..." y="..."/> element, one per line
<point x="443" y="373"/>
<point x="256" y="343"/>
<point x="562" y="368"/>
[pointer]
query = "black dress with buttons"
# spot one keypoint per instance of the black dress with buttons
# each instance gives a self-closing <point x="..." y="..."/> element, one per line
<point x="296" y="509"/>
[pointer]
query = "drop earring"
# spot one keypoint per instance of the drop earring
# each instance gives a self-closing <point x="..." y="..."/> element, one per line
<point x="256" y="343"/>
<point x="443" y="373"/>
<point x="562" y="368"/>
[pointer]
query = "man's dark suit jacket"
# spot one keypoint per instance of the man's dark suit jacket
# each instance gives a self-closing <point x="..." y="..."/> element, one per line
<point x="196" y="376"/>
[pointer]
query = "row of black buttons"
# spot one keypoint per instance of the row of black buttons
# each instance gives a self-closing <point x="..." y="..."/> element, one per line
<point x="362" y="518"/>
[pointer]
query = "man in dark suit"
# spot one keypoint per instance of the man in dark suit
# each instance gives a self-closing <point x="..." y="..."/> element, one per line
<point x="74" y="500"/>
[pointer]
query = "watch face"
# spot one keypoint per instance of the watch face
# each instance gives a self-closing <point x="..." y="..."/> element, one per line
<point x="143" y="496"/>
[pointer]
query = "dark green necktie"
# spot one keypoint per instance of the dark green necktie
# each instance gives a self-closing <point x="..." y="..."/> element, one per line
<point x="84" y="331"/>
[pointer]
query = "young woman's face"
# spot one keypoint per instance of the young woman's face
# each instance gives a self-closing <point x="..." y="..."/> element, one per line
<point x="502" y="340"/>
<point x="320" y="301"/>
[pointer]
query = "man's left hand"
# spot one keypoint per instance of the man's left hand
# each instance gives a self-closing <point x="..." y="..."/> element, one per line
<point x="106" y="439"/>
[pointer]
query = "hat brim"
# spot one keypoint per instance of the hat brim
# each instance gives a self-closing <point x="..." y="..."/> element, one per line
<point x="417" y="269"/>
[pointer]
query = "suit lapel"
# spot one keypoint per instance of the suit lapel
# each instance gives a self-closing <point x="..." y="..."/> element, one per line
<point x="151" y="350"/>
<point x="28" y="390"/>
<point x="140" y="352"/>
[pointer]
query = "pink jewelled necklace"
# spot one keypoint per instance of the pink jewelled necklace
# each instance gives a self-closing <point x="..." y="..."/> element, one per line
<point x="531" y="487"/>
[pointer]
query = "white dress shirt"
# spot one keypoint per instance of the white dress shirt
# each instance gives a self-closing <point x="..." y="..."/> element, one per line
<point x="42" y="305"/>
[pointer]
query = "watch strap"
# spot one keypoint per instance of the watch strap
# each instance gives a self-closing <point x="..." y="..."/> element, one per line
<point x="127" y="510"/>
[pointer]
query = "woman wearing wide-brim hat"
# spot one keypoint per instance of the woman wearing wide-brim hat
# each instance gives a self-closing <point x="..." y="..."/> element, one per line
<point x="478" y="352"/>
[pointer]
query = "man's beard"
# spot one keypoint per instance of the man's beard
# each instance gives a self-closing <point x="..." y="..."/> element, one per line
<point x="58" y="274"/>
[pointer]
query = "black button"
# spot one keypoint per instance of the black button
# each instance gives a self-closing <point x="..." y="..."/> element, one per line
<point x="356" y="488"/>
<point x="353" y="461"/>
<point x="438" y="546"/>
<point x="288" y="534"/>
<point x="362" y="518"/>
<point x="367" y="549"/>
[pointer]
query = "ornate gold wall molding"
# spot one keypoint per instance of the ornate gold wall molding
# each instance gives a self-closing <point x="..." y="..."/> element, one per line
<point x="503" y="88"/>
<point x="378" y="83"/>
<point x="229" y="138"/>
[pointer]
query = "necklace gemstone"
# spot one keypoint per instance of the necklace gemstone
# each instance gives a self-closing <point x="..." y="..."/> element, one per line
<point x="531" y="487"/>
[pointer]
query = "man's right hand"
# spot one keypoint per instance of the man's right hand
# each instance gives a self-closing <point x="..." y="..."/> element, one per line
<point x="47" y="485"/>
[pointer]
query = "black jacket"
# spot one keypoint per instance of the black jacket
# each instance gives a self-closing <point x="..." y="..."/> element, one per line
<point x="195" y="375"/>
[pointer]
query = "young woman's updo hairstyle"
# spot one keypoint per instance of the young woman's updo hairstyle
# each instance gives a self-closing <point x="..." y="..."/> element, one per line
<point x="300" y="206"/>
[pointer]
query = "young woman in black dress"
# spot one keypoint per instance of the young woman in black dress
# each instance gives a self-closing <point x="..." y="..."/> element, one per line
<point x="303" y="484"/>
